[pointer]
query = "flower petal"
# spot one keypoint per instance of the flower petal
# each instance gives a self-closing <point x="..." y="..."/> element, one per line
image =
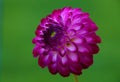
<point x="73" y="57"/>
<point x="94" y="48"/>
<point x="63" y="70"/>
<point x="86" y="60"/>
<point x="85" y="49"/>
<point x="52" y="68"/>
<point x="53" y="56"/>
<point x="75" y="68"/>
<point x="63" y="60"/>
<point x="78" y="40"/>
<point x="37" y="51"/>
<point x="71" y="46"/>
<point x="43" y="60"/>
<point x="93" y="38"/>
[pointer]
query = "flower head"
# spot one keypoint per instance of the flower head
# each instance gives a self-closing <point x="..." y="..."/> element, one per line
<point x="66" y="41"/>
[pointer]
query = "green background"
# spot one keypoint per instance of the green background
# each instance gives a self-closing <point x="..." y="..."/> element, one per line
<point x="1" y="18"/>
<point x="20" y="19"/>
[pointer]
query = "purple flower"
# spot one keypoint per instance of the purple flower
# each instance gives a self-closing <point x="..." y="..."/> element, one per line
<point x="66" y="41"/>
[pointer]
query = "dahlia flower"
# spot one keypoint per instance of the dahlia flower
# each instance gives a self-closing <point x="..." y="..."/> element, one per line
<point x="66" y="41"/>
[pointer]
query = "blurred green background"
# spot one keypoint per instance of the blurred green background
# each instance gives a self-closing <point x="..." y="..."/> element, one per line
<point x="1" y="37"/>
<point x="19" y="21"/>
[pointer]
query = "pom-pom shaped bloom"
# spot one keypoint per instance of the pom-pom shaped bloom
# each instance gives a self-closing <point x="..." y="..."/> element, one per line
<point x="66" y="41"/>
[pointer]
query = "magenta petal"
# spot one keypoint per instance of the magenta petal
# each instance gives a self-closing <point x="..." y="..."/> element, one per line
<point x="78" y="17"/>
<point x="86" y="60"/>
<point x="75" y="68"/>
<point x="38" y="31"/>
<point x="37" y="51"/>
<point x="43" y="60"/>
<point x="77" y="11"/>
<point x="63" y="66"/>
<point x="78" y="40"/>
<point x="92" y="38"/>
<point x="64" y="71"/>
<point x="68" y="23"/>
<point x="62" y="52"/>
<point x="63" y="60"/>
<point x="84" y="49"/>
<point x="73" y="57"/>
<point x="52" y="68"/>
<point x="97" y="39"/>
<point x="65" y="14"/>
<point x="53" y="56"/>
<point x="94" y="48"/>
<point x="59" y="18"/>
<point x="71" y="47"/>
<point x="43" y="22"/>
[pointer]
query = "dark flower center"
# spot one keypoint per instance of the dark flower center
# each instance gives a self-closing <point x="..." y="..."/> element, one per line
<point x="52" y="36"/>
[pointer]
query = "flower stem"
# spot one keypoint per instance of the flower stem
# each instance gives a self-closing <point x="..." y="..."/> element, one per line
<point x="75" y="78"/>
